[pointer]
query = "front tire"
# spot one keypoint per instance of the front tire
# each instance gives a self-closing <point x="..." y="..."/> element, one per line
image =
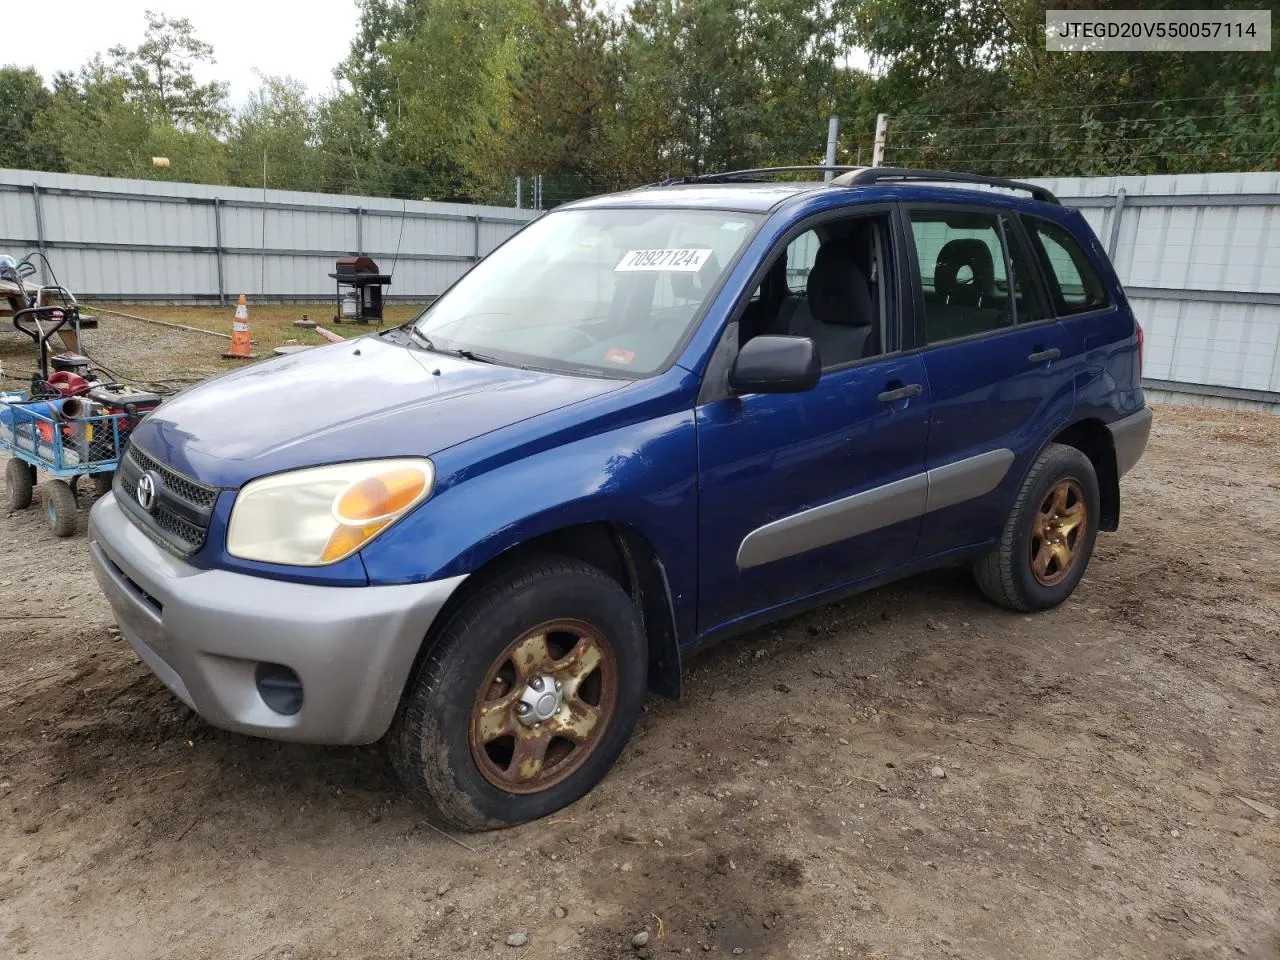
<point x="526" y="699"/>
<point x="20" y="481"/>
<point x="1048" y="539"/>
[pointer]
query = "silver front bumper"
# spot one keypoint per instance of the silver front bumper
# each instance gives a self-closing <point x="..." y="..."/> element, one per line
<point x="205" y="632"/>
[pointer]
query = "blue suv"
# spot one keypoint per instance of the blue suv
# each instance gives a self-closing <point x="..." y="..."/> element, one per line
<point x="646" y="422"/>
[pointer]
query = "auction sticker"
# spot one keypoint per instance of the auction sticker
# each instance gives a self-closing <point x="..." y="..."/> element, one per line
<point x="683" y="260"/>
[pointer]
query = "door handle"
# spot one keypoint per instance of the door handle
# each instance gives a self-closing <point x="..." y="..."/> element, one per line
<point x="900" y="393"/>
<point x="1044" y="356"/>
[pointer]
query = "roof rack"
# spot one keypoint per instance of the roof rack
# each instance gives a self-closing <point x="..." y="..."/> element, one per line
<point x="757" y="173"/>
<point x="866" y="176"/>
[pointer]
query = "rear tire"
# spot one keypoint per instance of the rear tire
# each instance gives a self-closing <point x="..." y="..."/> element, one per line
<point x="61" y="508"/>
<point x="1048" y="539"/>
<point x="466" y="742"/>
<point x="20" y="481"/>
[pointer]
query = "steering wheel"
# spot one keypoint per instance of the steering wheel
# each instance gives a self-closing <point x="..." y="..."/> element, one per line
<point x="590" y="340"/>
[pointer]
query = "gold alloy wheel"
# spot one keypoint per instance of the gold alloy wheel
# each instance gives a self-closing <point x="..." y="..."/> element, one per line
<point x="1058" y="532"/>
<point x="543" y="706"/>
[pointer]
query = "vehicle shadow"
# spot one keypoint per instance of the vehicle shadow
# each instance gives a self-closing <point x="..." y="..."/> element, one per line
<point x="121" y="718"/>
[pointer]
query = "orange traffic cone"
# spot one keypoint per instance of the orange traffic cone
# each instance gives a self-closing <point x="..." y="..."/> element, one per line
<point x="241" y="342"/>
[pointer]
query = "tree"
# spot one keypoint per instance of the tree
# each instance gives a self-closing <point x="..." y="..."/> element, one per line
<point x="717" y="84"/>
<point x="564" y="94"/>
<point x="97" y="129"/>
<point x="348" y="146"/>
<point x="279" y="120"/>
<point x="451" y="99"/>
<point x="160" y="78"/>
<point x="366" y="67"/>
<point x="23" y="97"/>
<point x="972" y="86"/>
<point x="433" y="76"/>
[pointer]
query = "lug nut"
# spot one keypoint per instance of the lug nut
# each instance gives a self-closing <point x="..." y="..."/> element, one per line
<point x="536" y="683"/>
<point x="522" y="707"/>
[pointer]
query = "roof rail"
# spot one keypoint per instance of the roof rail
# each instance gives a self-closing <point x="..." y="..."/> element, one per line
<point x="866" y="176"/>
<point x="752" y="174"/>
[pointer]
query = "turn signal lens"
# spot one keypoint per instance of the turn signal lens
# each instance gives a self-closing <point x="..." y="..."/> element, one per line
<point x="347" y="540"/>
<point x="382" y="496"/>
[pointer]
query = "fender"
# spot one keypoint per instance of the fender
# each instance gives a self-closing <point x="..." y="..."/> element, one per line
<point x="642" y="475"/>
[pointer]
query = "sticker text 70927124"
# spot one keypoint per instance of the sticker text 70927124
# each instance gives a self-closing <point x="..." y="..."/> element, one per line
<point x="683" y="260"/>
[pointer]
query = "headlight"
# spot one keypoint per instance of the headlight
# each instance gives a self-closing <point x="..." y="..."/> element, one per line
<point x="321" y="515"/>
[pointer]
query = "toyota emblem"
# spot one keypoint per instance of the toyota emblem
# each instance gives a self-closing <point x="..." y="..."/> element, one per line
<point x="147" y="486"/>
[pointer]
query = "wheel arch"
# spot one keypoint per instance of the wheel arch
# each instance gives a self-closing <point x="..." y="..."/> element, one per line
<point x="1092" y="438"/>
<point x="620" y="551"/>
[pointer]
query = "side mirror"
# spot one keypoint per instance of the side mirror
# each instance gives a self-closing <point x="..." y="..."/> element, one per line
<point x="768" y="364"/>
<point x="26" y="269"/>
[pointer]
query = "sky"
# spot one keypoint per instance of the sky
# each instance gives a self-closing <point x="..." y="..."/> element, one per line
<point x="302" y="38"/>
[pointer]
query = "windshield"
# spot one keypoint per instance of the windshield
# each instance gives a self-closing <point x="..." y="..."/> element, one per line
<point x="592" y="291"/>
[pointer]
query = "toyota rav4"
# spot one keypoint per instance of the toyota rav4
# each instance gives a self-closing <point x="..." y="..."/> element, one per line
<point x="644" y="423"/>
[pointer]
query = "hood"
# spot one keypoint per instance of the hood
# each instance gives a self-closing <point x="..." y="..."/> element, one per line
<point x="357" y="400"/>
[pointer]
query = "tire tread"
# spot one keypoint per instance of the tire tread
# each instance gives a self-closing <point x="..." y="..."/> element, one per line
<point x="429" y="778"/>
<point x="994" y="570"/>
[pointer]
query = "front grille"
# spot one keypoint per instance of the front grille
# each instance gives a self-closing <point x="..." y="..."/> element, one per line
<point x="179" y="518"/>
<point x="194" y="493"/>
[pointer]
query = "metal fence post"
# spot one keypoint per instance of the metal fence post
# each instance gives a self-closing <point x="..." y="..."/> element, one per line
<point x="217" y="247"/>
<point x="35" y="199"/>
<point x="359" y="211"/>
<point x="1114" y="239"/>
<point x="833" y="138"/>
<point x="476" y="240"/>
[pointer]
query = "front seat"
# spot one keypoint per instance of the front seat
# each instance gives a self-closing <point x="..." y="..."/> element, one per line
<point x="836" y="312"/>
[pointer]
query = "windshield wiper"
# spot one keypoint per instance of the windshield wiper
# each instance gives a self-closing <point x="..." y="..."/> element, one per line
<point x="420" y="339"/>
<point x="466" y="354"/>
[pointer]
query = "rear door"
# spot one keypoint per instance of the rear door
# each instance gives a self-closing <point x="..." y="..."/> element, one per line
<point x="1000" y="369"/>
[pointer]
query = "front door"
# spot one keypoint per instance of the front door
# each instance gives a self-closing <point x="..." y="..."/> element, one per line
<point x="801" y="493"/>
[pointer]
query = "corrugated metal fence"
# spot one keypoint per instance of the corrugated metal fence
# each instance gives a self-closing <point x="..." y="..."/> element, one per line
<point x="1199" y="256"/>
<point x="148" y="240"/>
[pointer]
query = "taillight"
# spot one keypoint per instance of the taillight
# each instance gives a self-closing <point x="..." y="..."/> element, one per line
<point x="1140" y="340"/>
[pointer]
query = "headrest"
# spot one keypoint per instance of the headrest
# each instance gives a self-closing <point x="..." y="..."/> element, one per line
<point x="837" y="290"/>
<point x="964" y="286"/>
<point x="695" y="286"/>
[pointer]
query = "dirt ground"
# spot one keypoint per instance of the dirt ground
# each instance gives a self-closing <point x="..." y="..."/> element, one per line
<point x="1093" y="761"/>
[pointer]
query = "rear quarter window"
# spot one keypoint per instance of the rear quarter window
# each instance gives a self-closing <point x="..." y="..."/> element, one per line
<point x="1074" y="283"/>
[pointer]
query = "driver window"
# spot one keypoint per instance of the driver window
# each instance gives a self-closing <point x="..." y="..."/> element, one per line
<point x="827" y="285"/>
<point x="801" y="253"/>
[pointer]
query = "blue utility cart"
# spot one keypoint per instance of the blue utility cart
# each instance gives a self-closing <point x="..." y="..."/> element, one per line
<point x="59" y="427"/>
<point x="38" y="436"/>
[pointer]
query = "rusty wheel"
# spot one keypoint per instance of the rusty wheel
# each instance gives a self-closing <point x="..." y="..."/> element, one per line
<point x="1058" y="530"/>
<point x="543" y="705"/>
<point x="528" y="696"/>
<point x="1047" y="540"/>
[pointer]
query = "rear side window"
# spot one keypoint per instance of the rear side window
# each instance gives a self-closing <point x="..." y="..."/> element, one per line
<point x="1074" y="284"/>
<point x="962" y="273"/>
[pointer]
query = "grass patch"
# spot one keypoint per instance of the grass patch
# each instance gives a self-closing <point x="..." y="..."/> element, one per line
<point x="270" y="323"/>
